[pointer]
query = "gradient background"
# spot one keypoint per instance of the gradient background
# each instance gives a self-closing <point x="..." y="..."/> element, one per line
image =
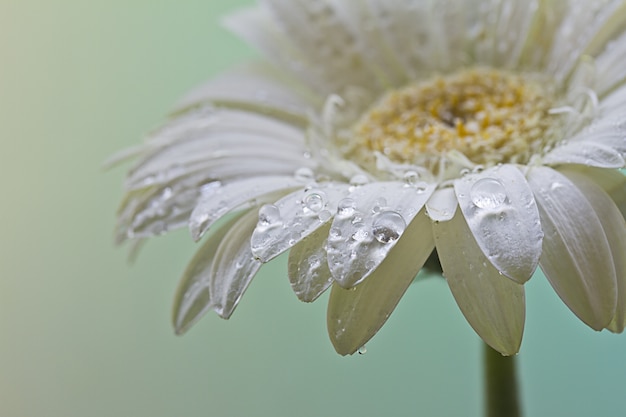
<point x="83" y="334"/>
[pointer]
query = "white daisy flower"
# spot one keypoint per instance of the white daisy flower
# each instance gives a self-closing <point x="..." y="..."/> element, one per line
<point x="376" y="133"/>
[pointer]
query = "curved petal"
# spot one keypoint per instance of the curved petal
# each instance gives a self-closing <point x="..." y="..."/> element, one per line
<point x="220" y="200"/>
<point x="367" y="226"/>
<point x="576" y="256"/>
<point x="500" y="210"/>
<point x="613" y="182"/>
<point x="615" y="229"/>
<point x="493" y="305"/>
<point x="193" y="296"/>
<point x="233" y="266"/>
<point x="442" y="205"/>
<point x="355" y="315"/>
<point x="256" y="86"/>
<point x="302" y="212"/>
<point x="585" y="153"/>
<point x="308" y="267"/>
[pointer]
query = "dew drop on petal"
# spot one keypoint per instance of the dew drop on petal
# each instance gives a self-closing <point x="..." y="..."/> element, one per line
<point x="379" y="205"/>
<point x="346" y="207"/>
<point x="388" y="226"/>
<point x="304" y="174"/>
<point x="421" y="187"/>
<point x="359" y="179"/>
<point x="488" y="193"/>
<point x="314" y="202"/>
<point x="360" y="233"/>
<point x="324" y="215"/>
<point x="411" y="178"/>
<point x="269" y="215"/>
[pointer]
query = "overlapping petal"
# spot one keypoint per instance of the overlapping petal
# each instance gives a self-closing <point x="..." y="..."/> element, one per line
<point x="576" y="257"/>
<point x="367" y="226"/>
<point x="356" y="314"/>
<point x="492" y="304"/>
<point x="500" y="210"/>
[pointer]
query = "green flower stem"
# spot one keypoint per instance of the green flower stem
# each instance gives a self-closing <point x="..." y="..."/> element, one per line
<point x="501" y="393"/>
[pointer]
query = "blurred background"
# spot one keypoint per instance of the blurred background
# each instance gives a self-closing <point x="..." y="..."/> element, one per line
<point x="84" y="333"/>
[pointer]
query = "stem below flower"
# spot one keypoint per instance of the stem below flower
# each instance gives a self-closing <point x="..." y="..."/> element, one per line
<point x="501" y="393"/>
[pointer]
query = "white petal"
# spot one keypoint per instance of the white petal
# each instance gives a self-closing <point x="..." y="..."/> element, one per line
<point x="356" y="314"/>
<point x="233" y="267"/>
<point x="308" y="266"/>
<point x="583" y="26"/>
<point x="576" y="256"/>
<point x="256" y="86"/>
<point x="156" y="210"/>
<point x="193" y="296"/>
<point x="585" y="153"/>
<point x="615" y="229"/>
<point x="317" y="30"/>
<point x="441" y="206"/>
<point x="218" y="201"/>
<point x="302" y="212"/>
<point x="612" y="181"/>
<point x="212" y="142"/>
<point x="368" y="224"/>
<point x="492" y="304"/>
<point x="500" y="210"/>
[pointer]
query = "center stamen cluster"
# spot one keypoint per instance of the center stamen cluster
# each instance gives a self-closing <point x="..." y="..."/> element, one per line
<point x="490" y="116"/>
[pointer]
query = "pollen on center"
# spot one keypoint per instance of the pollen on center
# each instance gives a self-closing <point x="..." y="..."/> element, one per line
<point x="490" y="116"/>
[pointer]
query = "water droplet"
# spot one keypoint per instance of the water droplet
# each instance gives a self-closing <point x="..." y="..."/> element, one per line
<point x="388" y="226"/>
<point x="421" y="187"/>
<point x="269" y="215"/>
<point x="335" y="233"/>
<point x="488" y="193"/>
<point x="346" y="207"/>
<point x="360" y="233"/>
<point x="411" y="178"/>
<point x="314" y="202"/>
<point x="379" y="205"/>
<point x="304" y="174"/>
<point x="359" y="179"/>
<point x="464" y="171"/>
<point x="324" y="215"/>
<point x="362" y="350"/>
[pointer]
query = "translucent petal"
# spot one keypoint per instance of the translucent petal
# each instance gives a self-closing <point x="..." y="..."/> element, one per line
<point x="302" y="212"/>
<point x="221" y="200"/>
<point x="615" y="229"/>
<point x="492" y="304"/>
<point x="155" y="210"/>
<point x="586" y="153"/>
<point x="368" y="224"/>
<point x="576" y="256"/>
<point x="611" y="181"/>
<point x="356" y="314"/>
<point x="442" y="205"/>
<point x="233" y="267"/>
<point x="308" y="266"/>
<point x="193" y="296"/>
<point x="500" y="210"/>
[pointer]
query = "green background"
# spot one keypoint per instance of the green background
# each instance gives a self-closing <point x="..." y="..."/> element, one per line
<point x="84" y="334"/>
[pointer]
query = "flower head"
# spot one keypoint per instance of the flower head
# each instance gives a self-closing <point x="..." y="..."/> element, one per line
<point x="376" y="133"/>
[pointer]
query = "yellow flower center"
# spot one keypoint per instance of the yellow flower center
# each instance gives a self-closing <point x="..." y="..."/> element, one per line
<point x="490" y="116"/>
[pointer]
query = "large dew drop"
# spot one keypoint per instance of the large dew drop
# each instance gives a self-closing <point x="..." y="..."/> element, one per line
<point x="388" y="226"/>
<point x="314" y="202"/>
<point x="488" y="193"/>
